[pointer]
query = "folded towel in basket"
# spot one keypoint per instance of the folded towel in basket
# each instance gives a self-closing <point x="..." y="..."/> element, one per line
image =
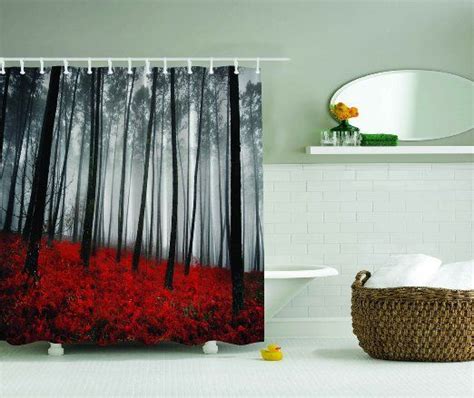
<point x="457" y="276"/>
<point x="405" y="270"/>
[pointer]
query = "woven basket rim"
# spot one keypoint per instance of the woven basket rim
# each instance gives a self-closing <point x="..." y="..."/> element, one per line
<point x="407" y="291"/>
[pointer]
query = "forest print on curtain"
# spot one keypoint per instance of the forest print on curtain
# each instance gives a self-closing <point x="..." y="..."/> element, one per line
<point x="131" y="205"/>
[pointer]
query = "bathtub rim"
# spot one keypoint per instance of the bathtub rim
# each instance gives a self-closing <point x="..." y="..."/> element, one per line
<point x="301" y="272"/>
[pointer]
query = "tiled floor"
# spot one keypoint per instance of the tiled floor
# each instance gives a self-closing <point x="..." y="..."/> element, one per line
<point x="311" y="368"/>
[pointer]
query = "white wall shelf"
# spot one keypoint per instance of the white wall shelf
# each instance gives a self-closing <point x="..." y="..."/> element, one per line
<point x="390" y="150"/>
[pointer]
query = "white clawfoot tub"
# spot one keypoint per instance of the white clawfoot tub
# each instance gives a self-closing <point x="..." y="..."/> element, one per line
<point x="282" y="285"/>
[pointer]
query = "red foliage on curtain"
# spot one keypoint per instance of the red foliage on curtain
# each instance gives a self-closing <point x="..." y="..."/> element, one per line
<point x="109" y="303"/>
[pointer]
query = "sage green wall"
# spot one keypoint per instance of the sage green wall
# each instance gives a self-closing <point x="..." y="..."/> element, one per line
<point x="330" y="43"/>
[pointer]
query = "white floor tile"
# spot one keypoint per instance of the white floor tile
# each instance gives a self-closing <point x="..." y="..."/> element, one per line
<point x="311" y="368"/>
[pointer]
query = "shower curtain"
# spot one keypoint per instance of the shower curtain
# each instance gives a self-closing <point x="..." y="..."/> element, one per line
<point x="131" y="205"/>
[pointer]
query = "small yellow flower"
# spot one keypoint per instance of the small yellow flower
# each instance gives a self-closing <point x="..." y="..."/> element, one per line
<point x="342" y="112"/>
<point x="354" y="112"/>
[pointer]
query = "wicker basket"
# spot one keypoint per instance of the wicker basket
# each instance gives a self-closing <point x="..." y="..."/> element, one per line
<point x="413" y="323"/>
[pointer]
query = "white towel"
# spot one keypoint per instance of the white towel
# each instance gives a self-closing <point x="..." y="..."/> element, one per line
<point x="457" y="276"/>
<point x="405" y="270"/>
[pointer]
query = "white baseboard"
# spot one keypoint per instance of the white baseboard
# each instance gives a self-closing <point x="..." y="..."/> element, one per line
<point x="340" y="327"/>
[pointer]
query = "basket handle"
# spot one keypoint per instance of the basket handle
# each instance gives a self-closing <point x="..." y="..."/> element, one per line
<point x="361" y="278"/>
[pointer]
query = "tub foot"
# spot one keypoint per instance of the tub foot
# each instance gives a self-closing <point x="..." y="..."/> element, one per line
<point x="55" y="350"/>
<point x="210" y="347"/>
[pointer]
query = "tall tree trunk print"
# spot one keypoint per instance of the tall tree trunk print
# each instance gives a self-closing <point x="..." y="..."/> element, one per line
<point x="227" y="175"/>
<point x="28" y="121"/>
<point x="139" y="236"/>
<point x="220" y="261"/>
<point x="236" y="262"/>
<point x="188" y="172"/>
<point x="63" y="209"/>
<point x="22" y="120"/>
<point x="130" y="183"/>
<point x="57" y="140"/>
<point x="41" y="173"/>
<point x="76" y="221"/>
<point x="109" y="232"/>
<point x="174" y="200"/>
<point x="187" y="263"/>
<point x="92" y="178"/>
<point x="153" y="182"/>
<point x="3" y="111"/>
<point x="256" y="179"/>
<point x="62" y="179"/>
<point x="98" y="194"/>
<point x="124" y="168"/>
<point x="25" y="170"/>
<point x="159" y="243"/>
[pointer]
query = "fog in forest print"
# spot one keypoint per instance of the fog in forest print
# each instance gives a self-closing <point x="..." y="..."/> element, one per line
<point x="131" y="205"/>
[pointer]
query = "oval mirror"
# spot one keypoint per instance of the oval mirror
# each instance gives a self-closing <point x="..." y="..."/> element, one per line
<point x="414" y="104"/>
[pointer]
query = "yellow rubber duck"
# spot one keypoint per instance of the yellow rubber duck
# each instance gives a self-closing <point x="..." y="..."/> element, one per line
<point x="272" y="353"/>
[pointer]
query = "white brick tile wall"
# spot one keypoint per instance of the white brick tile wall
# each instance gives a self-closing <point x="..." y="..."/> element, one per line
<point x="355" y="216"/>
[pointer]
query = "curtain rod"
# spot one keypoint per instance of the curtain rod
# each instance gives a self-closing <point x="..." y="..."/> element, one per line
<point x="133" y="59"/>
<point x="129" y="61"/>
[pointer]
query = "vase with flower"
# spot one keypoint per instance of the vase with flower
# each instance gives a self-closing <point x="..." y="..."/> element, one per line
<point x="346" y="133"/>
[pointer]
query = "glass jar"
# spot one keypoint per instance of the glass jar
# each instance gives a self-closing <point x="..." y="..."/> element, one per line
<point x="328" y="138"/>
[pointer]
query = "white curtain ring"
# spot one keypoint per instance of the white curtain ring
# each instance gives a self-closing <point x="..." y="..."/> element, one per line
<point x="211" y="66"/>
<point x="22" y="67"/>
<point x="190" y="70"/>
<point x="147" y="67"/>
<point x="66" y="65"/>
<point x="41" y="66"/>
<point x="89" y="66"/>
<point x="165" y="66"/>
<point x="129" y="66"/>
<point x="257" y="70"/>
<point x="2" y="69"/>
<point x="110" y="70"/>
<point x="236" y="66"/>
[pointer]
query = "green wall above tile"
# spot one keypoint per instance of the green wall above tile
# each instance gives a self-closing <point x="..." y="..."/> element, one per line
<point x="329" y="42"/>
